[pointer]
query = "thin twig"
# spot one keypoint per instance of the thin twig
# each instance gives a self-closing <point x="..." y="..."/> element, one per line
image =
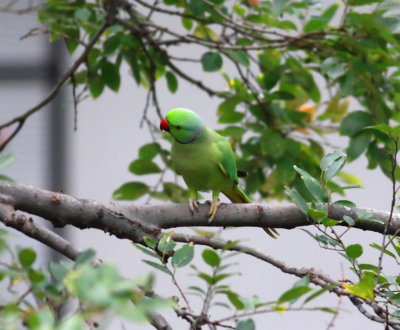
<point x="75" y="102"/>
<point x="392" y="206"/>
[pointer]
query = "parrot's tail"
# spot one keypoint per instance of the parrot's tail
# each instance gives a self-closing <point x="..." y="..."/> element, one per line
<point x="237" y="195"/>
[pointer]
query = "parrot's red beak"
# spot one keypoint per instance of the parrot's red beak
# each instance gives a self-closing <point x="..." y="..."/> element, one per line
<point x="164" y="126"/>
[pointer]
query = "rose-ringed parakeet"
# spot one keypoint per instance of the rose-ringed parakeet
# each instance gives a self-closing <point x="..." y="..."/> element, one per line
<point x="205" y="160"/>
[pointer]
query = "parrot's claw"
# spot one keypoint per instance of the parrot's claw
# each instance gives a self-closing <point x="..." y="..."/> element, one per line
<point x="271" y="232"/>
<point x="193" y="205"/>
<point x="213" y="209"/>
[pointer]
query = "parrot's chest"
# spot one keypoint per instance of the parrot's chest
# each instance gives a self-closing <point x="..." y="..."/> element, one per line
<point x="198" y="165"/>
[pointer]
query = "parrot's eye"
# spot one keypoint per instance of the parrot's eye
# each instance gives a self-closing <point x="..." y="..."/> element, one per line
<point x="178" y="127"/>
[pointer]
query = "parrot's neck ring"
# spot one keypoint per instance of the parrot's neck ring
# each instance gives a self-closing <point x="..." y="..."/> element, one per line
<point x="194" y="138"/>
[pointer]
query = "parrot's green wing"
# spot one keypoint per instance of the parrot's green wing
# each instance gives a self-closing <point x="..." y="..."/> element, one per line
<point x="228" y="167"/>
<point x="227" y="162"/>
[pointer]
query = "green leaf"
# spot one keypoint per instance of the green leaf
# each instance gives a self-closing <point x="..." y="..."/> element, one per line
<point x="6" y="160"/>
<point x="27" y="257"/>
<point x="175" y="193"/>
<point x="293" y="294"/>
<point x="333" y="68"/>
<point x="368" y="267"/>
<point x="82" y="14"/>
<point x="143" y="166"/>
<point x="35" y="276"/>
<point x="211" y="257"/>
<point x="203" y="32"/>
<point x="44" y="318"/>
<point x="151" y="243"/>
<point x="209" y="280"/>
<point x="149" y="151"/>
<point x="112" y="44"/>
<point x="363" y="2"/>
<point x="187" y="23"/>
<point x="354" y="122"/>
<point x="358" y="144"/>
<point x="197" y="7"/>
<point x="211" y="61"/>
<point x="58" y="270"/>
<point x="297" y="199"/>
<point x="315" y="24"/>
<point x="230" y="245"/>
<point x="157" y="266"/>
<point x="317" y="214"/>
<point x="183" y="256"/>
<point x="329" y="158"/>
<point x="272" y="143"/>
<point x="304" y="281"/>
<point x="73" y="322"/>
<point x="6" y="179"/>
<point x="335" y="167"/>
<point x="323" y="239"/>
<point x="312" y="184"/>
<point x="319" y="292"/>
<point x="226" y="110"/>
<point x="72" y="42"/>
<point x="92" y="57"/>
<point x="246" y="325"/>
<point x="385" y="251"/>
<point x="354" y="251"/>
<point x="364" y="289"/>
<point x="147" y="251"/>
<point x="233" y="131"/>
<point x="172" y="82"/>
<point x="239" y="56"/>
<point x="234" y="298"/>
<point x="329" y="222"/>
<point x="96" y="86"/>
<point x="349" y="178"/>
<point x="166" y="243"/>
<point x="350" y="221"/>
<point x="85" y="256"/>
<point x="228" y="105"/>
<point x="110" y="74"/>
<point x="198" y="290"/>
<point x="304" y="78"/>
<point x="238" y="9"/>
<point x="284" y="170"/>
<point x="130" y="191"/>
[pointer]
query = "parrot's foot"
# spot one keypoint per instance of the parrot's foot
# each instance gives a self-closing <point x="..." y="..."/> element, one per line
<point x="193" y="205"/>
<point x="213" y="209"/>
<point x="271" y="232"/>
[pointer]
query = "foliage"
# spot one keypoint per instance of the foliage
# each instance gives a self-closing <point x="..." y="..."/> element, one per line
<point x="301" y="70"/>
<point x="6" y="160"/>
<point x="39" y="294"/>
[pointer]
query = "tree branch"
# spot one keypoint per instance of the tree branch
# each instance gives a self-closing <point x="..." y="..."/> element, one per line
<point x="27" y="226"/>
<point x="128" y="220"/>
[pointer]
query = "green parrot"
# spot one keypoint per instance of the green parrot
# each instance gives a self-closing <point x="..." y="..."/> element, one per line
<point x="205" y="160"/>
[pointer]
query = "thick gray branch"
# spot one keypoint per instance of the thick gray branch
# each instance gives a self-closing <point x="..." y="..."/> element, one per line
<point x="251" y="215"/>
<point x="27" y="226"/>
<point x="62" y="209"/>
<point x="128" y="220"/>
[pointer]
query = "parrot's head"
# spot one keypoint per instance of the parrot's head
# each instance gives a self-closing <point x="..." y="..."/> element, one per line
<point x="183" y="124"/>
